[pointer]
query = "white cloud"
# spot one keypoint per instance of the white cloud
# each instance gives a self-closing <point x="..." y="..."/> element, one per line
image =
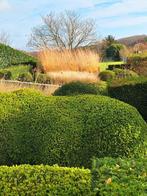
<point x="122" y="7"/>
<point x="4" y="5"/>
<point x="116" y="16"/>
<point x="123" y="13"/>
<point x="123" y="22"/>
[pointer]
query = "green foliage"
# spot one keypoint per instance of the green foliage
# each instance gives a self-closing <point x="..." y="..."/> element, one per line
<point x="44" y="180"/>
<point x="113" y="52"/>
<point x="107" y="75"/>
<point x="5" y="74"/>
<point x="132" y="91"/>
<point x="43" y="78"/>
<point x="120" y="176"/>
<point x="67" y="131"/>
<point x="109" y="40"/>
<point x="76" y="88"/>
<point x="137" y="58"/>
<point x="138" y="63"/>
<point x="10" y="56"/>
<point x="125" y="73"/>
<point x="17" y="70"/>
<point x="25" y="77"/>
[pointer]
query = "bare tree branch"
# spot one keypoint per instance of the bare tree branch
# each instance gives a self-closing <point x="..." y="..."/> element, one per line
<point x="66" y="30"/>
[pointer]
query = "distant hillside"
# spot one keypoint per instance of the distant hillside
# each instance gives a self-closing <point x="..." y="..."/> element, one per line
<point x="10" y="56"/>
<point x="132" y="40"/>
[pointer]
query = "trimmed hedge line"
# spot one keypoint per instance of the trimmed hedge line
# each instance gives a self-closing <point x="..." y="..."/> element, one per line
<point x="77" y="88"/>
<point x="133" y="92"/>
<point x="10" y="56"/>
<point x="44" y="180"/>
<point x="67" y="131"/>
<point x="109" y="177"/>
<point x="125" y="73"/>
<point x="120" y="176"/>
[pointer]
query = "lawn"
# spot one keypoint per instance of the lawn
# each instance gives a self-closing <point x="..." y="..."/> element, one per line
<point x="104" y="65"/>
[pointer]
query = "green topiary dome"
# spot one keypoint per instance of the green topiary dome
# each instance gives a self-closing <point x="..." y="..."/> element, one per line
<point x="68" y="131"/>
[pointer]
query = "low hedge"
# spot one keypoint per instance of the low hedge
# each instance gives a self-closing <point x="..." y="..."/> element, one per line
<point x="67" y="131"/>
<point x="138" y="62"/>
<point x="5" y="74"/>
<point x="76" y="88"/>
<point x="125" y="73"/>
<point x="107" y="75"/>
<point x="44" y="180"/>
<point x="17" y="70"/>
<point x="25" y="77"/>
<point x="120" y="176"/>
<point x="10" y="56"/>
<point x="136" y="59"/>
<point x="132" y="91"/>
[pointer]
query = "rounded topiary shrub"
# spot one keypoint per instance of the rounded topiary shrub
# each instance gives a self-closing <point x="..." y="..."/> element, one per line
<point x="68" y="131"/>
<point x="75" y="88"/>
<point x="107" y="75"/>
<point x="25" y="77"/>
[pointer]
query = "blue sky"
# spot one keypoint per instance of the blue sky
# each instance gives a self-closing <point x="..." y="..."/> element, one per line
<point x="117" y="17"/>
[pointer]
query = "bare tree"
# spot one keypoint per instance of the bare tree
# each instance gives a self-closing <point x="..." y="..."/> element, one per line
<point x="66" y="30"/>
<point x="4" y="38"/>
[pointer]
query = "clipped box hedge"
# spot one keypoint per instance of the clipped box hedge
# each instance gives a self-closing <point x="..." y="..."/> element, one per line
<point x="67" y="131"/>
<point x="132" y="91"/>
<point x="10" y="56"/>
<point x="44" y="180"/>
<point x="120" y="177"/>
<point x="80" y="88"/>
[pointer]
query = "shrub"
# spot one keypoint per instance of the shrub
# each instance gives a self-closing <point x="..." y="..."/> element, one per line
<point x="16" y="70"/>
<point x="5" y="74"/>
<point x="111" y="51"/>
<point x="10" y="56"/>
<point x="132" y="91"/>
<point x="67" y="131"/>
<point x="43" y="78"/>
<point x="25" y="77"/>
<point x="44" y="180"/>
<point x="120" y="176"/>
<point x="137" y="58"/>
<point x="107" y="75"/>
<point x="125" y="73"/>
<point x="75" y="88"/>
<point x="138" y="62"/>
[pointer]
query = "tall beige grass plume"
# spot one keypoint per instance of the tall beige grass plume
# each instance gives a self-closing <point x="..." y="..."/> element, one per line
<point x="70" y="65"/>
<point x="67" y="60"/>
